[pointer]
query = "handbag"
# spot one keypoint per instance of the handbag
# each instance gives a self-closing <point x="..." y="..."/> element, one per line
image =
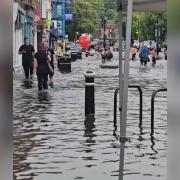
<point x="50" y="69"/>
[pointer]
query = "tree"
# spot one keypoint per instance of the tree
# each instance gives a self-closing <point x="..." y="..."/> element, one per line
<point x="87" y="15"/>
<point x="85" y="18"/>
<point x="145" y="24"/>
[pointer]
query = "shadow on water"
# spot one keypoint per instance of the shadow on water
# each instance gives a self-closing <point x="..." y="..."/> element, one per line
<point x="44" y="97"/>
<point x="26" y="84"/>
<point x="28" y="130"/>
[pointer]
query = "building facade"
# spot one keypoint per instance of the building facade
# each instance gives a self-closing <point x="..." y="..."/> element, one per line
<point x="23" y="18"/>
<point x="18" y="32"/>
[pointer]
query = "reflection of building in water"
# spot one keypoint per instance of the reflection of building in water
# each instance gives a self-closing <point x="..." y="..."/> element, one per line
<point x="25" y="131"/>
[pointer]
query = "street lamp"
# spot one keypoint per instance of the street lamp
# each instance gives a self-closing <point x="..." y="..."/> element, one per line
<point x="157" y="35"/>
<point x="104" y="26"/>
<point x="138" y="28"/>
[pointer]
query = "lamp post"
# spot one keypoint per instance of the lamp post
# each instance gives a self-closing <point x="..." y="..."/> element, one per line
<point x="104" y="26"/>
<point x="157" y="36"/>
<point x="138" y="28"/>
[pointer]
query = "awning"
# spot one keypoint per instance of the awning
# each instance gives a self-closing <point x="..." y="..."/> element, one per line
<point x="145" y="5"/>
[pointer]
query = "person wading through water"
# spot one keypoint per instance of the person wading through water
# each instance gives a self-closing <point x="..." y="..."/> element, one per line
<point x="144" y="55"/>
<point x="27" y="51"/>
<point x="41" y="69"/>
<point x="134" y="52"/>
<point x="153" y="56"/>
<point x="53" y="61"/>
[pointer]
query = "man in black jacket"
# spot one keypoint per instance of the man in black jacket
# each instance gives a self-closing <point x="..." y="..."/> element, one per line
<point x="27" y="51"/>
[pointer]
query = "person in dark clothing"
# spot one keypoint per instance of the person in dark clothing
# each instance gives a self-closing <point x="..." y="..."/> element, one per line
<point x="27" y="51"/>
<point x="165" y="52"/>
<point x="53" y="62"/>
<point x="41" y="60"/>
<point x="153" y="56"/>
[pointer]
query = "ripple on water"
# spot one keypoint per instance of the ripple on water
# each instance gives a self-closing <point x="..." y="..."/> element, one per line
<point x="52" y="142"/>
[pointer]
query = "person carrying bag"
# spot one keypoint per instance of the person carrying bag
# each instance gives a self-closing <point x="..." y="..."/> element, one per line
<point x="41" y="67"/>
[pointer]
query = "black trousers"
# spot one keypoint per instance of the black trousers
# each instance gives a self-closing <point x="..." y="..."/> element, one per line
<point x="133" y="56"/>
<point x="42" y="81"/>
<point x="154" y="60"/>
<point x="28" y="69"/>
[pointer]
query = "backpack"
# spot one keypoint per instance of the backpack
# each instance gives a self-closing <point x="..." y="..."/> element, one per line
<point x="142" y="54"/>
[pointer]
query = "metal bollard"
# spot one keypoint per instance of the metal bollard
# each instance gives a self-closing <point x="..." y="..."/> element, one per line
<point x="89" y="93"/>
<point x="64" y="64"/>
<point x="140" y="104"/>
<point x="115" y="108"/>
<point x="152" y="107"/>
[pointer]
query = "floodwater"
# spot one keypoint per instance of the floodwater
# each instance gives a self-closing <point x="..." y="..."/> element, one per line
<point x="52" y="142"/>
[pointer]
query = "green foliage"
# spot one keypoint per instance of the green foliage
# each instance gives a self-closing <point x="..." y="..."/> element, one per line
<point x="146" y="23"/>
<point x="87" y="15"/>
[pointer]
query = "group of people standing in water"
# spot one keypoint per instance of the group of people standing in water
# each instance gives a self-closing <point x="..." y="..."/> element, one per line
<point x="42" y="63"/>
<point x="145" y="54"/>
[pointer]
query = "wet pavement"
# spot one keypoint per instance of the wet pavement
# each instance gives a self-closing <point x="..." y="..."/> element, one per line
<point x="51" y="141"/>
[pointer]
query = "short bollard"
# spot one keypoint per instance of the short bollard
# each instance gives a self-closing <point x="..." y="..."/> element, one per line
<point x="64" y="63"/>
<point x="89" y="93"/>
<point x="73" y="57"/>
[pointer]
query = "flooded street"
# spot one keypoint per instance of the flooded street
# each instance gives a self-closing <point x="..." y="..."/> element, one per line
<point x="51" y="141"/>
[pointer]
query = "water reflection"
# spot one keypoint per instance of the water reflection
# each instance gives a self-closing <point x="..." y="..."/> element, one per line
<point x="44" y="97"/>
<point x="53" y="140"/>
<point x="28" y="129"/>
<point x="153" y="144"/>
<point x="26" y="84"/>
<point x="89" y="128"/>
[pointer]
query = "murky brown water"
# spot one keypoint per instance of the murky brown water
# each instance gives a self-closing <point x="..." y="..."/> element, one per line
<point x="51" y="141"/>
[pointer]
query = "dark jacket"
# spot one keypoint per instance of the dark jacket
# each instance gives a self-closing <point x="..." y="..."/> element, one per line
<point x="42" y="60"/>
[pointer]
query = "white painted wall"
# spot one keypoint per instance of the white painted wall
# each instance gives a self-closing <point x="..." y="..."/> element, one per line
<point x="17" y="38"/>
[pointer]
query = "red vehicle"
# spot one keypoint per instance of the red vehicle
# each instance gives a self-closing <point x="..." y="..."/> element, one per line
<point x="84" y="41"/>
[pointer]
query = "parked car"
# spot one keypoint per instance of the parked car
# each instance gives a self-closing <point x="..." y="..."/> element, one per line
<point x="100" y="45"/>
<point x="111" y="41"/>
<point x="116" y="46"/>
<point x="93" y="44"/>
<point x="76" y="51"/>
<point x="150" y="44"/>
<point x="68" y="46"/>
<point x="136" y="44"/>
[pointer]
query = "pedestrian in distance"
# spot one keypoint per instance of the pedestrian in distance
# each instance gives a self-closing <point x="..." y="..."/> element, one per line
<point x="165" y="52"/>
<point x="133" y="52"/>
<point x="53" y="61"/>
<point x="27" y="51"/>
<point x="41" y="69"/>
<point x="153" y="54"/>
<point x="109" y="54"/>
<point x="103" y="55"/>
<point x="144" y="55"/>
